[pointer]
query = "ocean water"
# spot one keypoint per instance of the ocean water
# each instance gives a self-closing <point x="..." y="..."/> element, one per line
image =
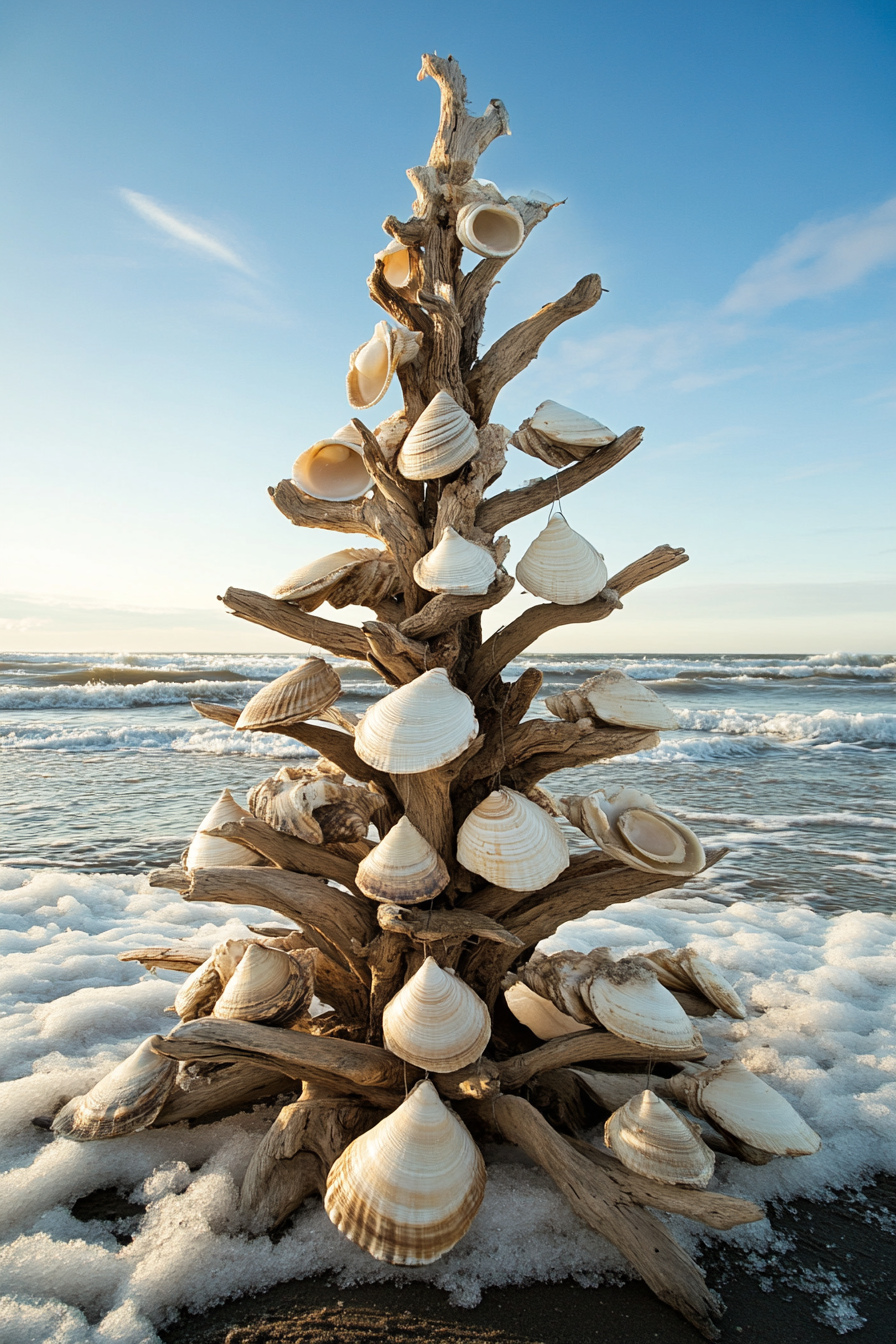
<point x="789" y="761"/>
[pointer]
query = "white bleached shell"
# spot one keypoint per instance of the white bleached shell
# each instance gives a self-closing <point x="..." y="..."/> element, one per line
<point x="289" y="800"/>
<point x="710" y="981"/>
<point x="490" y="229"/>
<point x="372" y="365"/>
<point x="559" y="976"/>
<point x="456" y="566"/>
<point x="201" y="990"/>
<point x="443" y="439"/>
<point x="741" y="1104"/>
<point x="511" y="841"/>
<point x="408" y="1189"/>
<point x="417" y="727"/>
<point x="402" y="869"/>
<point x="562" y="566"/>
<point x="301" y="694"/>
<point x="561" y="425"/>
<point x="541" y="1016"/>
<point x="650" y="1138"/>
<point x="436" y="1021"/>
<point x="311" y="579"/>
<point x="613" y="697"/>
<point x="268" y="986"/>
<point x="332" y="469"/>
<point x="126" y="1100"/>
<point x="208" y="851"/>
<point x="648" y="839"/>
<point x="628" y="1000"/>
<point x="397" y="268"/>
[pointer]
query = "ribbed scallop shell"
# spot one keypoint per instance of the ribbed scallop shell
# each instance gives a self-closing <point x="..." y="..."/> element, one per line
<point x="332" y="469"/>
<point x="456" y="566"/>
<point x="408" y="1189"/>
<point x="301" y="694"/>
<point x="371" y="366"/>
<point x="562" y="566"/>
<point x="311" y="579"/>
<point x="207" y="851"/>
<point x="436" y="1021"/>
<point x="613" y="697"/>
<point x="628" y="1000"/>
<point x="599" y="815"/>
<point x="126" y="1100"/>
<point x="512" y="842"/>
<point x="417" y="727"/>
<point x="396" y="259"/>
<point x="268" y="986"/>
<point x="443" y="439"/>
<point x="709" y="980"/>
<point x="743" y="1105"/>
<point x="650" y="1138"/>
<point x="403" y="868"/>
<point x="541" y="1016"/>
<point x="561" y="425"/>
<point x="490" y="229"/>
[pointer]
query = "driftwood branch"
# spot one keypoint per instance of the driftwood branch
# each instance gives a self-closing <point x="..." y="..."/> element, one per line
<point x="286" y="619"/>
<point x="460" y="138"/>
<point x="578" y="1047"/>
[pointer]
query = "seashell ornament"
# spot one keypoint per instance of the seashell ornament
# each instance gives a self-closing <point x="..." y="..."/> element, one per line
<point x="372" y="365"/>
<point x="541" y="1016"/>
<point x="561" y="566"/>
<point x="289" y="800"/>
<point x="612" y="697"/>
<point x="333" y="468"/>
<point x="126" y="1100"/>
<point x="443" y="439"/>
<point x="402" y="869"/>
<point x="268" y="986"/>
<point x="397" y="268"/>
<point x="737" y="1102"/>
<point x="650" y="1138"/>
<point x="561" y="425"/>
<point x="408" y="1189"/>
<point x="208" y="851"/>
<point x="417" y="727"/>
<point x="490" y="229"/>
<point x="628" y="825"/>
<point x="512" y="842"/>
<point x="456" y="566"/>
<point x="436" y="1021"/>
<point x="301" y="694"/>
<point x="708" y="979"/>
<point x="201" y="990"/>
<point x="628" y="1000"/>
<point x="309" y="580"/>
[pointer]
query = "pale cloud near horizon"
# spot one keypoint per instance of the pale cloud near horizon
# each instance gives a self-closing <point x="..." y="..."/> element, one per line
<point x="189" y="235"/>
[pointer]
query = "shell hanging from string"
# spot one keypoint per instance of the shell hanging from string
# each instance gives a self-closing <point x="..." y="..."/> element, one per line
<point x="436" y="1021"/>
<point x="561" y="566"/>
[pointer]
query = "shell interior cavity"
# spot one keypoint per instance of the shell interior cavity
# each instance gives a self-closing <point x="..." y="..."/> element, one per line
<point x="417" y="727"/>
<point x="561" y="566"/>
<point x="543" y="1018"/>
<point x="403" y="868"/>
<point x="436" y="1021"/>
<point x="561" y="425"/>
<point x="629" y="1001"/>
<point x="650" y="835"/>
<point x="301" y="694"/>
<point x="396" y="259"/>
<point x="455" y="566"/>
<point x="511" y="841"/>
<point x="332" y="469"/>
<point x="441" y="441"/>
<point x="310" y="579"/>
<point x="408" y="1189"/>
<point x="643" y="841"/>
<point x="268" y="986"/>
<point x="650" y="1138"/>
<point x="208" y="851"/>
<point x="613" y="697"/>
<point x="490" y="229"/>
<point x="126" y="1100"/>
<point x="372" y="365"/>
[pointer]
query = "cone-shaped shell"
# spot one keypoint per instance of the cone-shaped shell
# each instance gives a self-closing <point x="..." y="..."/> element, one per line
<point x="207" y="851"/>
<point x="372" y="365"/>
<point x="127" y="1099"/>
<point x="512" y="842"/>
<point x="648" y="840"/>
<point x="629" y="1001"/>
<point x="706" y="977"/>
<point x="456" y="566"/>
<point x="490" y="229"/>
<point x="650" y="1138"/>
<point x="403" y="868"/>
<point x="408" y="1189"/>
<point x="301" y="694"/>
<point x="396" y="259"/>
<point x="417" y="727"/>
<point x="743" y="1105"/>
<point x="267" y="986"/>
<point x="332" y="469"/>
<point x="313" y="578"/>
<point x="613" y="697"/>
<point x="562" y="566"/>
<point x="436" y="1021"/>
<point x="443" y="439"/>
<point x="541" y="1016"/>
<point x="561" y="425"/>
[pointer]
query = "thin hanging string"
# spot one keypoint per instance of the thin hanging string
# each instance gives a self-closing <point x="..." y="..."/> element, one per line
<point x="405" y="1064"/>
<point x="497" y="778"/>
<point x="649" y="1070"/>
<point x="556" y="503"/>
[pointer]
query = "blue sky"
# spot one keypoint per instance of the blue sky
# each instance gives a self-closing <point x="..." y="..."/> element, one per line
<point x="193" y="194"/>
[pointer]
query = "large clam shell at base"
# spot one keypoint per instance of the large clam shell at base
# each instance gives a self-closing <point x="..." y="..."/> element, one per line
<point x="332" y="469"/>
<point x="710" y="981"/>
<point x="490" y="228"/>
<point x="408" y="1189"/>
<point x="456" y="566"/>
<point x="268" y="986"/>
<point x="309" y="580"/>
<point x="612" y="697"/>
<point x="436" y="1021"/>
<point x="650" y="1138"/>
<point x="739" y="1103"/>
<point x="125" y="1101"/>
<point x="628" y="825"/>
<point x="301" y="694"/>
<point x="403" y="868"/>
<point x="543" y="1018"/>
<point x="418" y="727"/>
<point x="201" y="990"/>
<point x="512" y="842"/>
<point x="628" y="1000"/>
<point x="442" y="440"/>
<point x="208" y="851"/>
<point x="372" y="365"/>
<point x="561" y="425"/>
<point x="561" y="566"/>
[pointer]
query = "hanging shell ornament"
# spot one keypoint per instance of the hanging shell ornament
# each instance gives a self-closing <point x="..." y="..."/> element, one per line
<point x="408" y="1189"/>
<point x="512" y="842"/>
<point x="290" y="800"/>
<point x="268" y="986"/>
<point x="436" y="1021"/>
<point x="301" y="694"/>
<point x="490" y="229"/>
<point x="417" y="727"/>
<point x="710" y="981"/>
<point x="208" y="851"/>
<point x="443" y="439"/>
<point x="561" y="566"/>
<point x="333" y="468"/>
<point x="397" y="264"/>
<point x="737" y="1102"/>
<point x="125" y="1101"/>
<point x="371" y="366"/>
<point x="628" y="1000"/>
<point x="650" y="1138"/>
<point x="628" y="825"/>
<point x="542" y="1017"/>
<point x="612" y="697"/>
<point x="315" y="579"/>
<point x="402" y="869"/>
<point x="456" y="566"/>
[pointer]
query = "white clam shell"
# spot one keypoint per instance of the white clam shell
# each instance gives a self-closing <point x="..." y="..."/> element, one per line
<point x="561" y="425"/>
<point x="268" y="986"/>
<point x="561" y="566"/>
<point x="541" y="1016"/>
<point x="650" y="1138"/>
<point x="408" y="1189"/>
<point x="443" y="439"/>
<point x="613" y="697"/>
<point x="598" y="815"/>
<point x="402" y="869"/>
<point x="456" y="566"/>
<point x="301" y="694"/>
<point x="372" y="365"/>
<point x="511" y="841"/>
<point x="490" y="229"/>
<point x="315" y="577"/>
<point x="436" y="1021"/>
<point x="396" y="259"/>
<point x="710" y="981"/>
<point x="628" y="1000"/>
<point x="208" y="851"/>
<point x="126" y="1100"/>
<point x="201" y="990"/>
<point x="743" y="1105"/>
<point x="332" y="469"/>
<point x="417" y="727"/>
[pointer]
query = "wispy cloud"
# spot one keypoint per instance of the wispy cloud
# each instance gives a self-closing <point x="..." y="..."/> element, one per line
<point x="194" y="235"/>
